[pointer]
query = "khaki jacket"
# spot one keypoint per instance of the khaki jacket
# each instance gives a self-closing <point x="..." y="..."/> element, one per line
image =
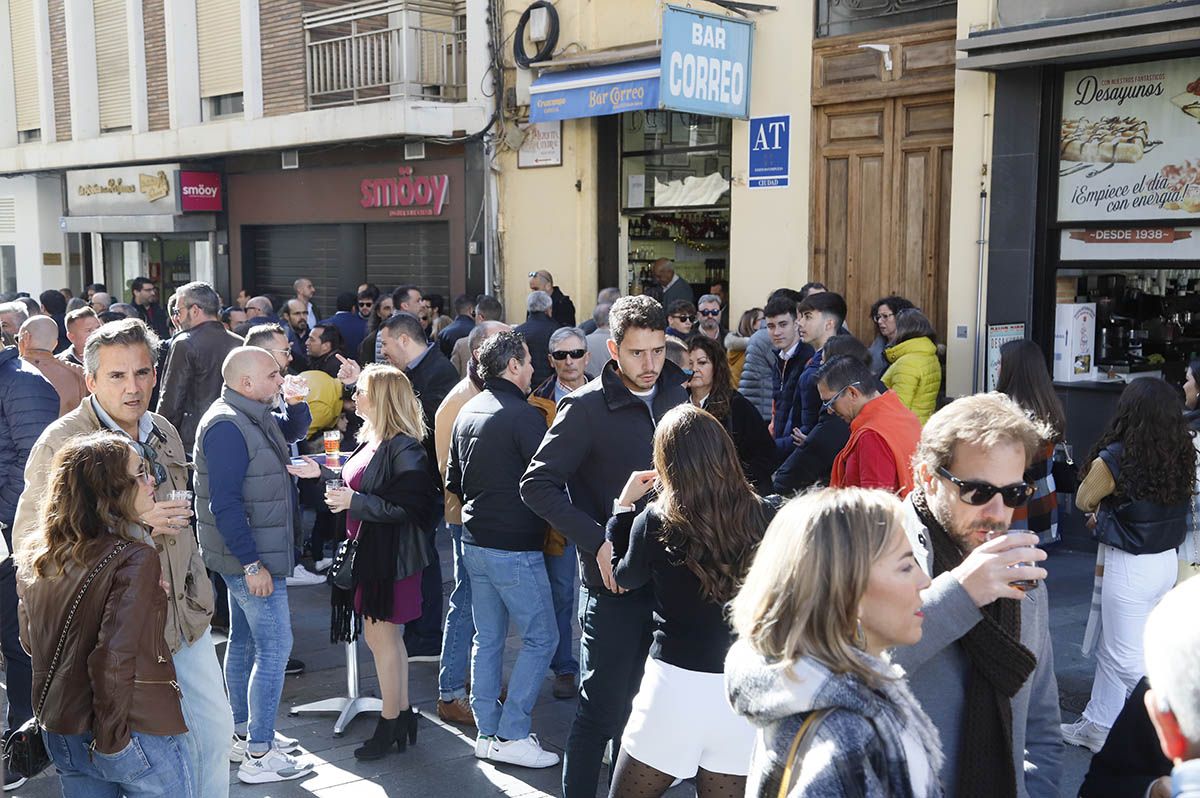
<point x="443" y="433"/>
<point x="67" y="379"/>
<point x="190" y="604"/>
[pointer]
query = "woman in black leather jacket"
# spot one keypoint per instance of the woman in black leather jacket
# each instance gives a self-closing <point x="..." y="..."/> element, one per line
<point x="390" y="494"/>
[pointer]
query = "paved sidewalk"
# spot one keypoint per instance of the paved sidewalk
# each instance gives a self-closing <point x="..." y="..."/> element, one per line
<point x="442" y="762"/>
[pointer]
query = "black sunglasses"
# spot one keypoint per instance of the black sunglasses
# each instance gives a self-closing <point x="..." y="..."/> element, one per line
<point x="366" y="304"/>
<point x="688" y="319"/>
<point x="978" y="494"/>
<point x="563" y="354"/>
<point x="710" y="313"/>
<point x="157" y="469"/>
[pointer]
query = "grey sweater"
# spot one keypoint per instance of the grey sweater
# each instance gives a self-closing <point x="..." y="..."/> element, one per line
<point x="937" y="670"/>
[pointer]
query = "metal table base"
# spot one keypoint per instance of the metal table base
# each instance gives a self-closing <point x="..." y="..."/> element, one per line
<point x="347" y="706"/>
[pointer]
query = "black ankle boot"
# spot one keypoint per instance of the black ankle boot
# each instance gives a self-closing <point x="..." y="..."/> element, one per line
<point x="406" y="728"/>
<point x="381" y="740"/>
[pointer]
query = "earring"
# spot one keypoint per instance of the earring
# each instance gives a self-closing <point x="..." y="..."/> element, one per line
<point x="860" y="636"/>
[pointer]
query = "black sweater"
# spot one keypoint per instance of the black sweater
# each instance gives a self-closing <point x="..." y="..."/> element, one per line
<point x="755" y="449"/>
<point x="690" y="631"/>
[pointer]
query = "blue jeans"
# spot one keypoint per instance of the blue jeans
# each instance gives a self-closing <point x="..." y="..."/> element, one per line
<point x="460" y="628"/>
<point x="207" y="715"/>
<point x="149" y="767"/>
<point x="612" y="656"/>
<point x="561" y="571"/>
<point x="260" y="641"/>
<point x="504" y="585"/>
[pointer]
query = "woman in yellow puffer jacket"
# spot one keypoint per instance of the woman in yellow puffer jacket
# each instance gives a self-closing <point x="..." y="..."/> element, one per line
<point x="915" y="373"/>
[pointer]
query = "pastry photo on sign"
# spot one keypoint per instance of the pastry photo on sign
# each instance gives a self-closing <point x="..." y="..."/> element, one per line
<point x="1188" y="100"/>
<point x="1111" y="140"/>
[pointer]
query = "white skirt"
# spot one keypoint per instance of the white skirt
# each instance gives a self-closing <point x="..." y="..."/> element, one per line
<point x="681" y="722"/>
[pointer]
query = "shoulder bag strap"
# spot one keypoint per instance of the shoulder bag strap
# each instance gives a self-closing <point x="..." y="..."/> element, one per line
<point x="797" y="750"/>
<point x="62" y="638"/>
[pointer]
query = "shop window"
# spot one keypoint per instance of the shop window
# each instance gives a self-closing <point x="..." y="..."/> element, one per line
<point x="221" y="106"/>
<point x="28" y="136"/>
<point x="840" y="17"/>
<point x="674" y="160"/>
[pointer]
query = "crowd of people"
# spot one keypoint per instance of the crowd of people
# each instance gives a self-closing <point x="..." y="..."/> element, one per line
<point x="802" y="570"/>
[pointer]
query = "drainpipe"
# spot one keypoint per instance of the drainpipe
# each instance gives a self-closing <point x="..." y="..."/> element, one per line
<point x="979" y="382"/>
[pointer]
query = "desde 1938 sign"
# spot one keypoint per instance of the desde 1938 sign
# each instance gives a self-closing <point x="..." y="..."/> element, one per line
<point x="1130" y="142"/>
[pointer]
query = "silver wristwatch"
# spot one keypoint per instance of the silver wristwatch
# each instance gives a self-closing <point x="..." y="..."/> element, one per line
<point x="252" y="569"/>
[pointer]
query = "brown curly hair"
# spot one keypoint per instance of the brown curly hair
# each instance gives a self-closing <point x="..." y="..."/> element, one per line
<point x="90" y="497"/>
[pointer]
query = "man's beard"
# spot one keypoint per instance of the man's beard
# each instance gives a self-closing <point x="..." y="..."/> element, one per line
<point x="964" y="539"/>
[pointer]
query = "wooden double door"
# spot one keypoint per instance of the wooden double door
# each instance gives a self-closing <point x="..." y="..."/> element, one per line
<point x="881" y="183"/>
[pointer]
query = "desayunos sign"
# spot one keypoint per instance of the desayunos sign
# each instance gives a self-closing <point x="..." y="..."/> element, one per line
<point x="705" y="63"/>
<point x="406" y="194"/>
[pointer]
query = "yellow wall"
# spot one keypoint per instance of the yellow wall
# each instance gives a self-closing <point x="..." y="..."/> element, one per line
<point x="974" y="94"/>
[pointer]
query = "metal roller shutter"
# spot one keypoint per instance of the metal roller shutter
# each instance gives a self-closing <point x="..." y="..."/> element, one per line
<point x="409" y="252"/>
<point x="112" y="63"/>
<point x="284" y="253"/>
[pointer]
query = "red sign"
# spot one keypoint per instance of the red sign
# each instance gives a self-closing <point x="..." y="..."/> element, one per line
<point x="199" y="191"/>
<point x="407" y="194"/>
<point x="1131" y="235"/>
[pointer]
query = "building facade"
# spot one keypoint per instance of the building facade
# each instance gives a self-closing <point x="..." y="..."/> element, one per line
<point x="245" y="142"/>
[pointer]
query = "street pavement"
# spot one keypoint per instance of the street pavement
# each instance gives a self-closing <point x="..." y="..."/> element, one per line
<point x="442" y="762"/>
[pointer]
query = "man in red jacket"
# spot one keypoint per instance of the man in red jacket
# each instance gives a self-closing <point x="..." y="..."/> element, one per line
<point x="883" y="432"/>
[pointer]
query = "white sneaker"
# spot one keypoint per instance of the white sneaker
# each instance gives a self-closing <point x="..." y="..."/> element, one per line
<point x="483" y="746"/>
<point x="288" y="745"/>
<point x="527" y="753"/>
<point x="272" y="766"/>
<point x="1085" y="733"/>
<point x="323" y="565"/>
<point x="302" y="576"/>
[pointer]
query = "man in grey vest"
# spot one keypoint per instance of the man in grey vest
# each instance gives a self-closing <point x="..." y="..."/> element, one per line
<point x="246" y="511"/>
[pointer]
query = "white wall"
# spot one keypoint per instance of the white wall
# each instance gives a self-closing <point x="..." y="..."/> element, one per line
<point x="39" y="205"/>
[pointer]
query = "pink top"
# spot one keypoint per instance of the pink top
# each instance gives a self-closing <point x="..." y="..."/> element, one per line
<point x="352" y="473"/>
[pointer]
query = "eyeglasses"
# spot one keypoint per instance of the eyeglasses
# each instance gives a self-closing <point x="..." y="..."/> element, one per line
<point x="144" y="476"/>
<point x="978" y="494"/>
<point x="827" y="407"/>
<point x="563" y="354"/>
<point x="285" y="352"/>
<point x="688" y="319"/>
<point x="884" y="316"/>
<point x="710" y="313"/>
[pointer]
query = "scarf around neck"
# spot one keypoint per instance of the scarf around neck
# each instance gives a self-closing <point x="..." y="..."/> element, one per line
<point x="999" y="666"/>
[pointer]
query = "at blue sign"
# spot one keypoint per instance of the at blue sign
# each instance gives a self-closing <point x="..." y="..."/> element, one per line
<point x="705" y="63"/>
<point x="769" y="137"/>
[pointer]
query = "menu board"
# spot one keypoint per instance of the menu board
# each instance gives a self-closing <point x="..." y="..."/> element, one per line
<point x="1130" y="142"/>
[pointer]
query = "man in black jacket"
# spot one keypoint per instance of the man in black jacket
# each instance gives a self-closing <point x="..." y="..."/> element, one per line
<point x="601" y="433"/>
<point x="432" y="377"/>
<point x="537" y="329"/>
<point x="495" y="437"/>
<point x="563" y="311"/>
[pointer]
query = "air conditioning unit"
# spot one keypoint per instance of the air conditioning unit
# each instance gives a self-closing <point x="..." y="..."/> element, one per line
<point x="289" y="159"/>
<point x="414" y="150"/>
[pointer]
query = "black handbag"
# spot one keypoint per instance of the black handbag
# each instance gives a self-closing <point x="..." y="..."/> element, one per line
<point x="1065" y="472"/>
<point x="341" y="572"/>
<point x="416" y="551"/>
<point x="25" y="749"/>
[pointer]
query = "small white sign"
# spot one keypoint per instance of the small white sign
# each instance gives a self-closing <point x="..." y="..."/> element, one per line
<point x="542" y="145"/>
<point x="636" y="196"/>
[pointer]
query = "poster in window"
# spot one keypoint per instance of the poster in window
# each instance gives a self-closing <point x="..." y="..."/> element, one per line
<point x="1129" y="145"/>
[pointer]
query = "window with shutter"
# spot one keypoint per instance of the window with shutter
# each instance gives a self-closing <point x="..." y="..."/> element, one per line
<point x="112" y="63"/>
<point x="24" y="57"/>
<point x="219" y="39"/>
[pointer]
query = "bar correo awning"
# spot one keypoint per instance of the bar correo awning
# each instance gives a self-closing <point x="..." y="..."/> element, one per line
<point x="595" y="91"/>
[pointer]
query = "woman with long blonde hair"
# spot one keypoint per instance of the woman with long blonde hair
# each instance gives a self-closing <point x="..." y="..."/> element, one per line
<point x="389" y="493"/>
<point x="833" y="586"/>
<point x="693" y="544"/>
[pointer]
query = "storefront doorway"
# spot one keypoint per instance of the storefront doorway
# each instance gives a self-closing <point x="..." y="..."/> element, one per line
<point x="169" y="260"/>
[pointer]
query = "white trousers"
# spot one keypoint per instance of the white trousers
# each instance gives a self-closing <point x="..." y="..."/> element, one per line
<point x="1133" y="585"/>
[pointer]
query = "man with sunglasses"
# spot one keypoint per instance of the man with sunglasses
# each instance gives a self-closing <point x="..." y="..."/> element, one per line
<point x="348" y="321"/>
<point x="984" y="669"/>
<point x="119" y="370"/>
<point x="883" y="432"/>
<point x="710" y="314"/>
<point x="681" y="319"/>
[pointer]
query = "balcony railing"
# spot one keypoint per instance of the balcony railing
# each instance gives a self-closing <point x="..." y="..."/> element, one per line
<point x="378" y="50"/>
